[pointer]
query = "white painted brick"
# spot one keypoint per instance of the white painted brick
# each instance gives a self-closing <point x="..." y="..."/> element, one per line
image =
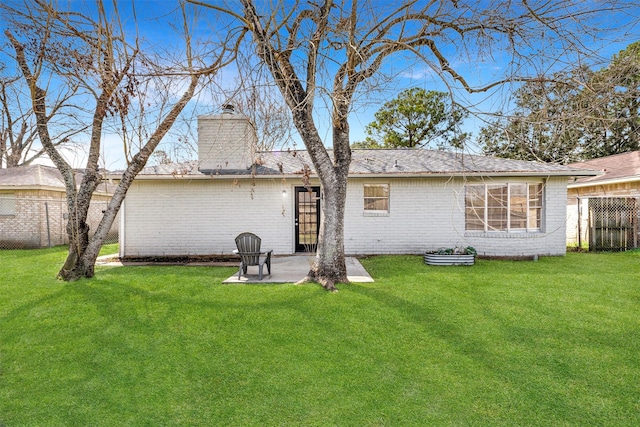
<point x="201" y="217"/>
<point x="226" y="141"/>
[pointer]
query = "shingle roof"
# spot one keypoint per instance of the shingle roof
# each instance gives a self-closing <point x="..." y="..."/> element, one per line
<point x="618" y="167"/>
<point x="31" y="176"/>
<point x="387" y="162"/>
<point x="39" y="177"/>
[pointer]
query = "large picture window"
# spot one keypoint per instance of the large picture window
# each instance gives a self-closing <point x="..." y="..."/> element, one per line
<point x="511" y="207"/>
<point x="376" y="198"/>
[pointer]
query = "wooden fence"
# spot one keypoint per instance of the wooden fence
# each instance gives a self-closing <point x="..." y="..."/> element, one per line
<point x="613" y="223"/>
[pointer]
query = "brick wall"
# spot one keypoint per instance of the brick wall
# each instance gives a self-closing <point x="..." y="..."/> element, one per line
<point x="429" y="214"/>
<point x="39" y="219"/>
<point x="202" y="217"/>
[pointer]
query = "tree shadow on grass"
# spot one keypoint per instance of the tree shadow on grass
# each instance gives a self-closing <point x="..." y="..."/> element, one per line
<point x="516" y="370"/>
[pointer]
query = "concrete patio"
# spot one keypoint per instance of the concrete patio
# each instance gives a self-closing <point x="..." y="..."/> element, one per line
<point x="291" y="269"/>
<point x="284" y="269"/>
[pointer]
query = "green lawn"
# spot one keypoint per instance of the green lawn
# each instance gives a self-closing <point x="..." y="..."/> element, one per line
<point x="548" y="343"/>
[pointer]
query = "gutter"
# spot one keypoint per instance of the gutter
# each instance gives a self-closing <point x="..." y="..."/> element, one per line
<point x="604" y="182"/>
<point x="200" y="177"/>
<point x="32" y="187"/>
<point x="473" y="174"/>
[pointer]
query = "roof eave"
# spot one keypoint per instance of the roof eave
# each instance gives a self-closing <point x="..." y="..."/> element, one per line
<point x="614" y="181"/>
<point x="469" y="174"/>
<point x="32" y="187"/>
<point x="369" y="175"/>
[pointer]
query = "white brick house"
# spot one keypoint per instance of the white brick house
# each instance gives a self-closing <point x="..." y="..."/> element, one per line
<point x="398" y="201"/>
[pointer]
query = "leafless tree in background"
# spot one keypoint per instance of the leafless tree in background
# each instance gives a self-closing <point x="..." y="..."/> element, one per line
<point x="18" y="133"/>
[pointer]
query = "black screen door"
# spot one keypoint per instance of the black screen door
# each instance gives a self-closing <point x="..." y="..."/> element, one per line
<point x="307" y="218"/>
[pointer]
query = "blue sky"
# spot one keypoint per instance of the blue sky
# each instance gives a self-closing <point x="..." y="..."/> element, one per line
<point x="151" y="23"/>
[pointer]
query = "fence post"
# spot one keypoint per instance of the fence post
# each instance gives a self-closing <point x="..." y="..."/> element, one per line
<point x="579" y="223"/>
<point x="46" y="212"/>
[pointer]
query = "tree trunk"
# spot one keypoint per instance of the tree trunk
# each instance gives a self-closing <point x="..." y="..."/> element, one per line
<point x="84" y="252"/>
<point x="78" y="206"/>
<point x="329" y="265"/>
<point x="78" y="232"/>
<point x="76" y="266"/>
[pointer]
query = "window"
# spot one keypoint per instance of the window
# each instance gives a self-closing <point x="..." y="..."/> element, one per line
<point x="7" y="204"/>
<point x="503" y="207"/>
<point x="376" y="198"/>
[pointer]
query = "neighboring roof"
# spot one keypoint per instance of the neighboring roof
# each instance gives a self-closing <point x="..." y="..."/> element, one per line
<point x="382" y="162"/>
<point x="622" y="167"/>
<point x="39" y="177"/>
<point x="33" y="176"/>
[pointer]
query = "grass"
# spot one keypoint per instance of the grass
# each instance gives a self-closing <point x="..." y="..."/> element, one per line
<point x="109" y="249"/>
<point x="554" y="342"/>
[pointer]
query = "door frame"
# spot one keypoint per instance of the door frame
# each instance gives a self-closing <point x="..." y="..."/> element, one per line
<point x="302" y="246"/>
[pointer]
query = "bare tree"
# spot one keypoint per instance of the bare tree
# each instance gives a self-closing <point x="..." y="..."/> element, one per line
<point x="328" y="51"/>
<point x="269" y="115"/>
<point x="18" y="133"/>
<point x="117" y="81"/>
<point x="245" y="85"/>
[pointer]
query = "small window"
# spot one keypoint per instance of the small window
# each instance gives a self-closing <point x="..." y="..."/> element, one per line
<point x="7" y="204"/>
<point x="376" y="198"/>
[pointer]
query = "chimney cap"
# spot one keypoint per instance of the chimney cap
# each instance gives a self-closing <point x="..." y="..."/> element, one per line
<point x="228" y="108"/>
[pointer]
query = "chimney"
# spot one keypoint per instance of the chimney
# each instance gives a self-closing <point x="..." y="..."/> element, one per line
<point x="226" y="141"/>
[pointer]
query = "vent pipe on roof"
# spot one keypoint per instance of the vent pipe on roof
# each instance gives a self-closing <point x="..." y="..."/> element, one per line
<point x="228" y="108"/>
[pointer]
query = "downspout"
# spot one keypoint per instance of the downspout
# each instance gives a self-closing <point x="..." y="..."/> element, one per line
<point x="121" y="232"/>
